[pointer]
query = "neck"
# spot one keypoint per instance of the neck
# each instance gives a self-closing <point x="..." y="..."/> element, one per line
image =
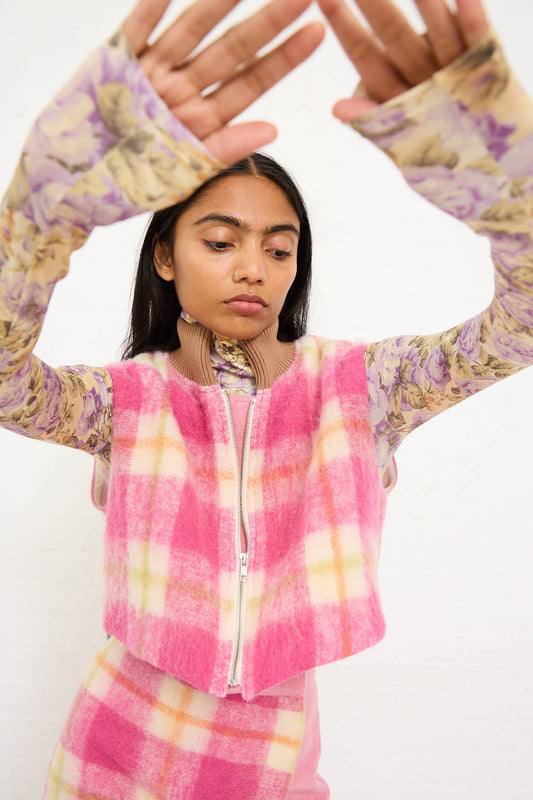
<point x="268" y="357"/>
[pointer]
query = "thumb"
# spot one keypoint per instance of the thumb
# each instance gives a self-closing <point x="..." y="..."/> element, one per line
<point x="231" y="143"/>
<point x="353" y="107"/>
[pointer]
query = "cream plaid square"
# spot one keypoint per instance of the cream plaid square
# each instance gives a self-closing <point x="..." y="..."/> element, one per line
<point x="148" y="569"/>
<point x="98" y="682"/>
<point x="198" y="731"/>
<point x="332" y="441"/>
<point x="311" y="355"/>
<point x="179" y="716"/>
<point x="159" y="449"/>
<point x="227" y="476"/>
<point x="255" y="598"/>
<point x="283" y="751"/>
<point x="254" y="488"/>
<point x="142" y="794"/>
<point x="64" y="775"/>
<point x="341" y="575"/>
<point x="228" y="587"/>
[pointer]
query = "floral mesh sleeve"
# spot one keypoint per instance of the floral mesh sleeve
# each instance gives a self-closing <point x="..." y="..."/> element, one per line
<point x="105" y="149"/>
<point x="464" y="141"/>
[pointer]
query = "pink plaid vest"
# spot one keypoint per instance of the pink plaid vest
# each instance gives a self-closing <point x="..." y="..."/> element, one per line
<point x="312" y="500"/>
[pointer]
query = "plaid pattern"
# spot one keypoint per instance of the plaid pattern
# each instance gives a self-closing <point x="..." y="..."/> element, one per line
<point x="135" y="733"/>
<point x="314" y="502"/>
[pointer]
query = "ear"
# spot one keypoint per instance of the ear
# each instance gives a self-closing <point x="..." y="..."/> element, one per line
<point x="163" y="262"/>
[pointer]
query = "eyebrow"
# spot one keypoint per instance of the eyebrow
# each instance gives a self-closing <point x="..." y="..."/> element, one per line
<point x="243" y="226"/>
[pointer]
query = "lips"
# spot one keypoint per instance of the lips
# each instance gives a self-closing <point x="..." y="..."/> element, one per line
<point x="247" y="298"/>
<point x="247" y="305"/>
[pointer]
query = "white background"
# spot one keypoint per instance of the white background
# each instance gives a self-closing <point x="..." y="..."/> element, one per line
<point x="443" y="708"/>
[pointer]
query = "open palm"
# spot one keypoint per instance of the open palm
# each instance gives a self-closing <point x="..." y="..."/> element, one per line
<point x="389" y="55"/>
<point x="205" y="90"/>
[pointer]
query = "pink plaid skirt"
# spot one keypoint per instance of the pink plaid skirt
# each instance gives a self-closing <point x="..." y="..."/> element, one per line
<point x="136" y="733"/>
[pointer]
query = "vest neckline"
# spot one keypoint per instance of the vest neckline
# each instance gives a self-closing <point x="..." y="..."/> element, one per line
<point x="268" y="357"/>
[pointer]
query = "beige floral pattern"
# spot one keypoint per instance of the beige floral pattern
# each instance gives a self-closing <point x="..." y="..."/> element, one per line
<point x="105" y="148"/>
<point x="230" y="364"/>
<point x="464" y="141"/>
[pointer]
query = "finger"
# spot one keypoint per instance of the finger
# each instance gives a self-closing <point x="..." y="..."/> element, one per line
<point x="204" y="115"/>
<point x="353" y="107"/>
<point x="241" y="43"/>
<point x="472" y="20"/>
<point x="230" y="144"/>
<point x="379" y="77"/>
<point x="443" y="30"/>
<point x="405" y="48"/>
<point x="185" y="34"/>
<point x="140" y="23"/>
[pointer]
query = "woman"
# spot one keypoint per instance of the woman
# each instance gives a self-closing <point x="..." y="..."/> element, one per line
<point x="387" y="76"/>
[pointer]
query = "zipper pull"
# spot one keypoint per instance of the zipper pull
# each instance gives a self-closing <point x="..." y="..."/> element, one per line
<point x="244" y="565"/>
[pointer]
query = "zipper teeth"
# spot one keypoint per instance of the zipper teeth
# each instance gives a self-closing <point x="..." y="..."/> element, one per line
<point x="241" y="475"/>
<point x="234" y="680"/>
<point x="243" y="557"/>
<point x="237" y="531"/>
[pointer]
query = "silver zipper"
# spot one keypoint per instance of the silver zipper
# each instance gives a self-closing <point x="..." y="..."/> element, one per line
<point x="242" y="547"/>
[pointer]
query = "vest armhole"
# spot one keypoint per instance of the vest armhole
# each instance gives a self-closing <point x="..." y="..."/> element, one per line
<point x="389" y="478"/>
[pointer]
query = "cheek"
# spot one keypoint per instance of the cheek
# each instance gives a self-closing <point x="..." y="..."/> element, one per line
<point x="289" y="280"/>
<point x="189" y="272"/>
<point x="198" y="283"/>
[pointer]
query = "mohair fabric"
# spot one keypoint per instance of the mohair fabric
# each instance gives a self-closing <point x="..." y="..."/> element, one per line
<point x="109" y="148"/>
<point x="313" y="500"/>
<point x="135" y="733"/>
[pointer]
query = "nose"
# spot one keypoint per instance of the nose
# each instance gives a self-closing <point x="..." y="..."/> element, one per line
<point x="250" y="267"/>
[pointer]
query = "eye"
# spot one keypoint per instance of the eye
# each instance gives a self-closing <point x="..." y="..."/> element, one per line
<point x="280" y="254"/>
<point x="219" y="247"/>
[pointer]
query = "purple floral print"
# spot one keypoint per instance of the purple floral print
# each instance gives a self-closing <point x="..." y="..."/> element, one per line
<point x="107" y="148"/>
<point x="461" y="141"/>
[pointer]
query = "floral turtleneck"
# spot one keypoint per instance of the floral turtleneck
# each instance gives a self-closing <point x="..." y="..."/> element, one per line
<point x="229" y="361"/>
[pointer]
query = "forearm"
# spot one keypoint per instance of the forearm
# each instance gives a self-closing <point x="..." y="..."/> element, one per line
<point x="105" y="149"/>
<point x="35" y="399"/>
<point x="455" y="138"/>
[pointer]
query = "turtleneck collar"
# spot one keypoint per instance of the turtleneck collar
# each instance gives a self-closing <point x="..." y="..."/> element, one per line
<point x="268" y="357"/>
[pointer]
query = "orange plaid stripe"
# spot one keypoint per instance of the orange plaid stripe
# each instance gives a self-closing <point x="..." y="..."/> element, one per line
<point x="136" y="732"/>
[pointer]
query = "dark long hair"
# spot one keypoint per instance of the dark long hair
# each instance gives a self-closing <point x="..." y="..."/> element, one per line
<point x="156" y="308"/>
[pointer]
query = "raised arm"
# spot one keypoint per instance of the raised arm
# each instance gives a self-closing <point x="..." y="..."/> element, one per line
<point x="136" y="129"/>
<point x="463" y="140"/>
<point x="389" y="56"/>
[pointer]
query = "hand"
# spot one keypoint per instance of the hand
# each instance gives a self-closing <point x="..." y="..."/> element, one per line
<point x="392" y="57"/>
<point x="230" y="65"/>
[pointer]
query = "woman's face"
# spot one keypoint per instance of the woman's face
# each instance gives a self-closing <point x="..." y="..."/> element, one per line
<point x="234" y="255"/>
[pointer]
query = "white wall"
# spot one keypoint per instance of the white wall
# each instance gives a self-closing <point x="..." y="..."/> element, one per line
<point x="443" y="708"/>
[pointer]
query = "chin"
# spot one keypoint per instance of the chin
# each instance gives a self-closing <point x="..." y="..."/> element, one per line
<point x="242" y="328"/>
<point x="239" y="334"/>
